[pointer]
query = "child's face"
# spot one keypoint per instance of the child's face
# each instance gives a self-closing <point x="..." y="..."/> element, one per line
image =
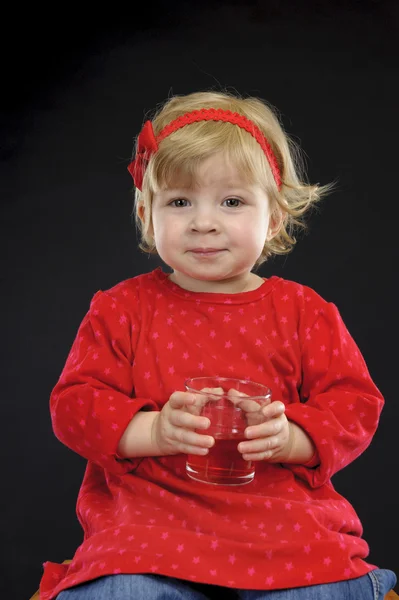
<point x="224" y="213"/>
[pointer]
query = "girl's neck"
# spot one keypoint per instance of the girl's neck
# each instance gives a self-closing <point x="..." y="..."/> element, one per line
<point x="252" y="282"/>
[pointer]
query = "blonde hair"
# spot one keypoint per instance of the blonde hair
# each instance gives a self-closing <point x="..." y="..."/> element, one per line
<point x="180" y="154"/>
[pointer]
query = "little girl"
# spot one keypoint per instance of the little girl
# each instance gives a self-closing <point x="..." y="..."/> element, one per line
<point x="218" y="192"/>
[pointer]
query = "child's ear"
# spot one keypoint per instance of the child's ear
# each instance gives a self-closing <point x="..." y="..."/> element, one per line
<point x="276" y="222"/>
<point x="141" y="213"/>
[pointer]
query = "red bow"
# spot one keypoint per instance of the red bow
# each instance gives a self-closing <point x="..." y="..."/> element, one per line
<point x="146" y="147"/>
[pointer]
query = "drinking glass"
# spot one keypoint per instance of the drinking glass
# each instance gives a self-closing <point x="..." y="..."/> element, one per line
<point x="231" y="405"/>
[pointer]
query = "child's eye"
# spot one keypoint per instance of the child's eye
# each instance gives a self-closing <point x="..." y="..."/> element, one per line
<point x="236" y="200"/>
<point x="174" y="202"/>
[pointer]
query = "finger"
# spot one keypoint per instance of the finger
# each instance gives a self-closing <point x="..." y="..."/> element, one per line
<point x="181" y="399"/>
<point x="260" y="445"/>
<point x="259" y="456"/>
<point x="191" y="438"/>
<point x="181" y="418"/>
<point x="273" y="409"/>
<point x="254" y="411"/>
<point x="197" y="450"/>
<point x="235" y="393"/>
<point x="212" y="394"/>
<point x="242" y="401"/>
<point x="266" y="429"/>
<point x="248" y="406"/>
<point x="235" y="397"/>
<point x="255" y="418"/>
<point x="188" y="402"/>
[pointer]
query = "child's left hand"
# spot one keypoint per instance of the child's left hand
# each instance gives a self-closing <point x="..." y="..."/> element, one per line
<point x="271" y="440"/>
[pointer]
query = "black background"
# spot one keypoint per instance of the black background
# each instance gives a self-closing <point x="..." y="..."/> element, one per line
<point x="76" y="89"/>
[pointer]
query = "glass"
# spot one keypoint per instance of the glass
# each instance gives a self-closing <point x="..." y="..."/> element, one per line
<point x="231" y="405"/>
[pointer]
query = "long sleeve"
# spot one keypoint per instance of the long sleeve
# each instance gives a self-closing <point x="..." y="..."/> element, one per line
<point x="93" y="401"/>
<point x="340" y="405"/>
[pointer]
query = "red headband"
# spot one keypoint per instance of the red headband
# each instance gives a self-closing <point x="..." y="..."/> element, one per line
<point x="147" y="143"/>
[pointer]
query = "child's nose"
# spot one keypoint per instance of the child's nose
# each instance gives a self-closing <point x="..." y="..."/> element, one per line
<point x="204" y="221"/>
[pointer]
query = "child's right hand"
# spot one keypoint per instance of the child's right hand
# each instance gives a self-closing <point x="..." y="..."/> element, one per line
<point x="173" y="429"/>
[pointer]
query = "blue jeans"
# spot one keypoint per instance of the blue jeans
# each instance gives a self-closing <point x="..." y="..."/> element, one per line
<point x="372" y="586"/>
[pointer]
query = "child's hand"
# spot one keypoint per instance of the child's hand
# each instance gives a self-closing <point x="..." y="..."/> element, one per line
<point x="271" y="440"/>
<point x="173" y="428"/>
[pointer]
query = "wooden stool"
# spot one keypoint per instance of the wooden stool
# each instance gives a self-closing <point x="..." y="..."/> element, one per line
<point x="390" y="595"/>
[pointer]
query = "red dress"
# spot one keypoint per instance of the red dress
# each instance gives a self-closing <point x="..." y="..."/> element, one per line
<point x="136" y="345"/>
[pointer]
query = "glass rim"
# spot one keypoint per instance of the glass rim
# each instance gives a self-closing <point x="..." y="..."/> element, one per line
<point x="243" y="381"/>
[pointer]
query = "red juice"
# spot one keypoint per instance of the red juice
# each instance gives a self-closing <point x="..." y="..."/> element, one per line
<point x="223" y="465"/>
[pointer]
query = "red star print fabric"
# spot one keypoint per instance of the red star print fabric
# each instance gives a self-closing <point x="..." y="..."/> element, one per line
<point x="288" y="528"/>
